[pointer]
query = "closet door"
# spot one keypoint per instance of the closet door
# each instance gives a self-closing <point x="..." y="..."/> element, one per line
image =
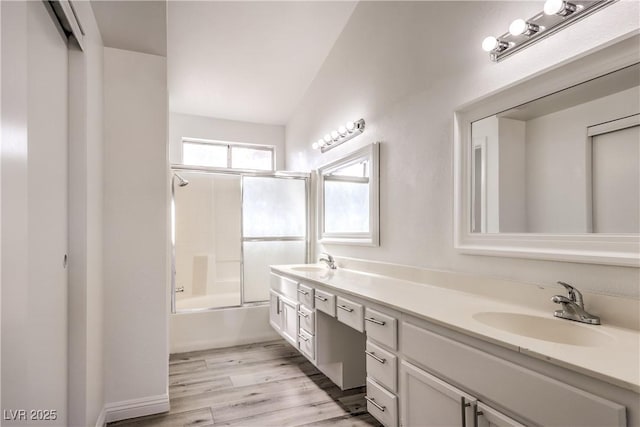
<point x="47" y="59"/>
<point x="34" y="214"/>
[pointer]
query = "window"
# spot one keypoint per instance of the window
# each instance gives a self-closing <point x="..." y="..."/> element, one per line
<point x="348" y="199"/>
<point x="228" y="155"/>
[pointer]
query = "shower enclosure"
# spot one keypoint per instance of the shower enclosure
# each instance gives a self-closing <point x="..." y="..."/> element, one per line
<point x="227" y="228"/>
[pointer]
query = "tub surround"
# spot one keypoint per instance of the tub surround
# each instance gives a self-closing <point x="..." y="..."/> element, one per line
<point x="452" y="300"/>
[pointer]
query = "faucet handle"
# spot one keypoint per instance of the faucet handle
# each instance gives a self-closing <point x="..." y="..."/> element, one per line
<point x="574" y="294"/>
<point x="327" y="256"/>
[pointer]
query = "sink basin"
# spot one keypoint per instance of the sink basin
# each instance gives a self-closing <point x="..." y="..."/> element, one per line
<point x="308" y="268"/>
<point x="546" y="329"/>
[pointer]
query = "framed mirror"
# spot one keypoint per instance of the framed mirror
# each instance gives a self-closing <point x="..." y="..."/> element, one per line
<point x="348" y="202"/>
<point x="550" y="168"/>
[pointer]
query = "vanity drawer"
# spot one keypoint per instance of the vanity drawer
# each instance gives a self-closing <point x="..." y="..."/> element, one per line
<point x="350" y="313"/>
<point x="382" y="328"/>
<point x="305" y="295"/>
<point x="306" y="319"/>
<point x="325" y="302"/>
<point x="306" y="343"/>
<point x="382" y="366"/>
<point x="382" y="404"/>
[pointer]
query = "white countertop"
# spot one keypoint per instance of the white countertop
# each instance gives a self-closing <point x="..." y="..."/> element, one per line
<point x="616" y="362"/>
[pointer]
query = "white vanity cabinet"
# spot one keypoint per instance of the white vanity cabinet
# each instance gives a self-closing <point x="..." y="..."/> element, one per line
<point x="489" y="417"/>
<point x="528" y="395"/>
<point x="422" y="373"/>
<point x="283" y="316"/>
<point x="289" y="319"/>
<point x="429" y="401"/>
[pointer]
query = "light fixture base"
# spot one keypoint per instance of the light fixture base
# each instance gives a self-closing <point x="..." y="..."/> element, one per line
<point x="546" y="25"/>
<point x="357" y="130"/>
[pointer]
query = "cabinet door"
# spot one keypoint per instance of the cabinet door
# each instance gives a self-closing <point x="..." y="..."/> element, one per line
<point x="275" y="318"/>
<point x="429" y="401"/>
<point x="289" y="313"/>
<point x="489" y="417"/>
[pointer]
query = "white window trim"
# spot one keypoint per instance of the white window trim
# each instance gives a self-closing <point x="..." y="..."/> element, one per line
<point x="372" y="237"/>
<point x="230" y="145"/>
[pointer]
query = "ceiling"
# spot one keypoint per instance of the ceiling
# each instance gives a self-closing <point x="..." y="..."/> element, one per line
<point x="237" y="60"/>
<point x="140" y="26"/>
<point x="248" y="61"/>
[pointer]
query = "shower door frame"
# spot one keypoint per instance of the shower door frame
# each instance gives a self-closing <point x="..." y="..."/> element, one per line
<point x="241" y="173"/>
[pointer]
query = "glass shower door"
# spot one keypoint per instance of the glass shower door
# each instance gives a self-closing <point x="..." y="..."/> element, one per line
<point x="274" y="229"/>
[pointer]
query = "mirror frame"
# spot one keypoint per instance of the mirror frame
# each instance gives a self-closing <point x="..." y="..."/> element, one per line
<point x="372" y="237"/>
<point x="612" y="249"/>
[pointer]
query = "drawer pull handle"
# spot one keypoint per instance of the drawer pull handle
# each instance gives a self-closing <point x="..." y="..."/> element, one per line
<point x="374" y="403"/>
<point x="303" y="292"/>
<point x="378" y="358"/>
<point x="303" y="314"/>
<point x="323" y="299"/>
<point x="345" y="308"/>
<point x="376" y="321"/>
<point x="303" y="337"/>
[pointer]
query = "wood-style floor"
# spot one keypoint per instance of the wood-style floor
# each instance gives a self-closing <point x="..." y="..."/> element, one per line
<point x="264" y="384"/>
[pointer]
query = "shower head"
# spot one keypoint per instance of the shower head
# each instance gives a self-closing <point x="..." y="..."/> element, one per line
<point x="181" y="181"/>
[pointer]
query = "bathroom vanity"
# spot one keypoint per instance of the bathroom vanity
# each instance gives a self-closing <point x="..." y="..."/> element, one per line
<point x="440" y="353"/>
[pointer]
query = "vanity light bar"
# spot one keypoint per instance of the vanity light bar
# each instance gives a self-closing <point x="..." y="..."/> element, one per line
<point x="336" y="137"/>
<point x="556" y="15"/>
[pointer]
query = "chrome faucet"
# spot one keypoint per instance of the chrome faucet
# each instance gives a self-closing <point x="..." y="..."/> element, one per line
<point x="328" y="259"/>
<point x="573" y="306"/>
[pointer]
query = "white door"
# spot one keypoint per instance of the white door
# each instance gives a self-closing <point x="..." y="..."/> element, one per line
<point x="429" y="401"/>
<point x="47" y="124"/>
<point x="34" y="326"/>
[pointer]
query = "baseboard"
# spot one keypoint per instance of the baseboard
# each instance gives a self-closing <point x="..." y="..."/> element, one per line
<point x="136" y="408"/>
<point x="101" y="422"/>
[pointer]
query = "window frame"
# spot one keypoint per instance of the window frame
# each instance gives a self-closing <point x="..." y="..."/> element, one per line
<point x="324" y="173"/>
<point x="229" y="146"/>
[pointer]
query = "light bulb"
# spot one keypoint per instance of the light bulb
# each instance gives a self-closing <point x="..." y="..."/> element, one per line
<point x="517" y="27"/>
<point x="327" y="138"/>
<point x="342" y="130"/>
<point x="321" y="143"/>
<point x="489" y="43"/>
<point x="559" y="7"/>
<point x="335" y="135"/>
<point x="315" y="145"/>
<point x="350" y="126"/>
<point x="551" y="7"/>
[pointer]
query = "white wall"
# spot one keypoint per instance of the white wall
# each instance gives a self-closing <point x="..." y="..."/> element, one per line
<point x="405" y="67"/>
<point x="189" y="126"/>
<point x="135" y="228"/>
<point x="86" y="381"/>
<point x="559" y="162"/>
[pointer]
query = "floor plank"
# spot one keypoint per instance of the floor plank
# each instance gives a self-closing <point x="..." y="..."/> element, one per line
<point x="262" y="384"/>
